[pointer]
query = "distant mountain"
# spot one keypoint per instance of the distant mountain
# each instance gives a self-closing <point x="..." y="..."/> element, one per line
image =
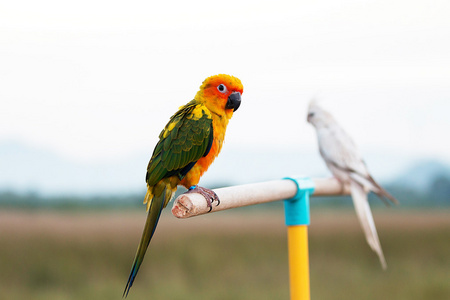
<point x="24" y="168"/>
<point x="422" y="174"/>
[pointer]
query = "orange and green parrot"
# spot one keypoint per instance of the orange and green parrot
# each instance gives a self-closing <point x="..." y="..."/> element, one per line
<point x="187" y="146"/>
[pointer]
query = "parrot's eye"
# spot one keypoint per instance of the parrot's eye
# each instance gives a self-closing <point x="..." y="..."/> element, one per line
<point x="222" y="88"/>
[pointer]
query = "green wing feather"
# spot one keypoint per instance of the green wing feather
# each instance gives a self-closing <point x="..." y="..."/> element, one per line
<point x="184" y="140"/>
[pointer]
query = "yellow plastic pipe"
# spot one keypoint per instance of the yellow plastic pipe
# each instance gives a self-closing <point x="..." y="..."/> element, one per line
<point x="298" y="262"/>
<point x="296" y="210"/>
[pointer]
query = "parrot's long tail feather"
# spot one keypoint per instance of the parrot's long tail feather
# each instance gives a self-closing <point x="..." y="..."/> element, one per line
<point x="154" y="213"/>
<point x="365" y="217"/>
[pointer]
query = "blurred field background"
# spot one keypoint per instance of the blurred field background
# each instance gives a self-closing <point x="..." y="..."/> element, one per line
<point x="87" y="254"/>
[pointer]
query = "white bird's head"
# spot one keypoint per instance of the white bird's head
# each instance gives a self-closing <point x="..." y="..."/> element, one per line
<point x="317" y="116"/>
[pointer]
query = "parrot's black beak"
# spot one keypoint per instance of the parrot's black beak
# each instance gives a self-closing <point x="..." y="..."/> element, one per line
<point x="234" y="101"/>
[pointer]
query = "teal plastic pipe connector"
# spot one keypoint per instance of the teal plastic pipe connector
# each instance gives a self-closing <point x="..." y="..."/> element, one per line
<point x="296" y="209"/>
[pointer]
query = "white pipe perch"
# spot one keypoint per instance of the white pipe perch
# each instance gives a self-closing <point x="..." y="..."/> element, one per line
<point x="194" y="204"/>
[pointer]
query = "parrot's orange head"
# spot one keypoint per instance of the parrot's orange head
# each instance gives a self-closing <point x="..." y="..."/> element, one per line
<point x="221" y="94"/>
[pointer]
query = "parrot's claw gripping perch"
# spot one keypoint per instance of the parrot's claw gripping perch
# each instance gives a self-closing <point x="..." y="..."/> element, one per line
<point x="209" y="195"/>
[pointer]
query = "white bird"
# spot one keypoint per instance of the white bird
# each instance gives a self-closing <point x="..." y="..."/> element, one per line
<point x="344" y="161"/>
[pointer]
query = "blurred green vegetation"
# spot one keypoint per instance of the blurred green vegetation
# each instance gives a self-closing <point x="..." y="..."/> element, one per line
<point x="436" y="195"/>
<point x="63" y="254"/>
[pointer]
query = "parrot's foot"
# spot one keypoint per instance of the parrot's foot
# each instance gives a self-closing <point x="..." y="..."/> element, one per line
<point x="209" y="195"/>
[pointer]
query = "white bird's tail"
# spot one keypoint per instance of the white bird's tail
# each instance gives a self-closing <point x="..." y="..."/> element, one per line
<point x="369" y="183"/>
<point x="364" y="214"/>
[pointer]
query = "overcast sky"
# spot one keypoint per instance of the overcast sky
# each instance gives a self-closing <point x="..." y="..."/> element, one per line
<point x="98" y="80"/>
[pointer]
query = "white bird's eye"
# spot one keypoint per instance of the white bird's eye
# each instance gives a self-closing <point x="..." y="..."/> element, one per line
<point x="222" y="88"/>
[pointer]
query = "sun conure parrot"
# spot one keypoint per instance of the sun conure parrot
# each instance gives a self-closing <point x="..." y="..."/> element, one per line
<point x="187" y="146"/>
